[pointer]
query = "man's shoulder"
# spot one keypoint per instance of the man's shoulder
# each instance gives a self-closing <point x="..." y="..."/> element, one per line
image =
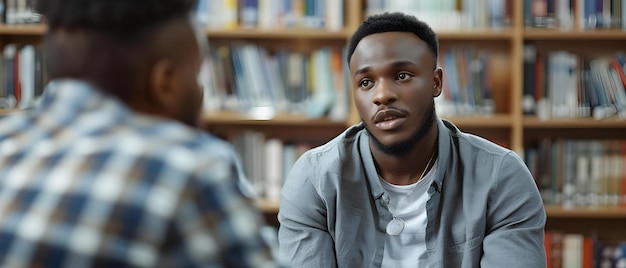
<point x="334" y="150"/>
<point x="475" y="143"/>
<point x="172" y="138"/>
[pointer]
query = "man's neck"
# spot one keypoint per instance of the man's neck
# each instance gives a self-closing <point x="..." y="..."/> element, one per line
<point x="411" y="167"/>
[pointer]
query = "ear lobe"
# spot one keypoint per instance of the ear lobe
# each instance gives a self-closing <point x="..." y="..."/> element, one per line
<point x="162" y="82"/>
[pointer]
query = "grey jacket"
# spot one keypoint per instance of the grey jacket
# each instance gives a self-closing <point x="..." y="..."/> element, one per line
<point x="484" y="207"/>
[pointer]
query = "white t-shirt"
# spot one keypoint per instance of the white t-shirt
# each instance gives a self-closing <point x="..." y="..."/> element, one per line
<point x="408" y="202"/>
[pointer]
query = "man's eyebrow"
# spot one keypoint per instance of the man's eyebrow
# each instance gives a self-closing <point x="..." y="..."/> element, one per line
<point x="403" y="63"/>
<point x="362" y="70"/>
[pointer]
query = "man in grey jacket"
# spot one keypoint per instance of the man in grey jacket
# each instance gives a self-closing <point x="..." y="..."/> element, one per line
<point x="405" y="188"/>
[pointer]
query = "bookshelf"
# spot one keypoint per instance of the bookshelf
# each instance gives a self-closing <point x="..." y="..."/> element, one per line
<point x="508" y="125"/>
<point x="22" y="30"/>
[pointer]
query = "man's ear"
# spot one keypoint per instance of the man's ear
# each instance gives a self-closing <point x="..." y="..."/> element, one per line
<point x="162" y="89"/>
<point x="437" y="82"/>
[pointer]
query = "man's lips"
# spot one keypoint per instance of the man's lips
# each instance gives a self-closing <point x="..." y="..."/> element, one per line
<point x="389" y="119"/>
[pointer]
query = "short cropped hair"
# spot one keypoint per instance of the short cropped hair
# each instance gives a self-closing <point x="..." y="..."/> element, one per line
<point x="394" y="22"/>
<point x="117" y="17"/>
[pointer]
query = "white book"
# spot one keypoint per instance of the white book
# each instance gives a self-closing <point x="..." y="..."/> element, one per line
<point x="597" y="173"/>
<point x="615" y="173"/>
<point x="223" y="14"/>
<point x="619" y="93"/>
<point x="27" y="76"/>
<point x="323" y="95"/>
<point x="582" y="173"/>
<point x="580" y="14"/>
<point x="11" y="12"/>
<point x="273" y="168"/>
<point x="289" y="158"/>
<point x="266" y="15"/>
<point x="8" y="58"/>
<point x="334" y="15"/>
<point x="623" y="14"/>
<point x="572" y="250"/>
<point x="206" y="79"/>
<point x="569" y="177"/>
<point x="202" y="12"/>
<point x="564" y="15"/>
<point x="341" y="107"/>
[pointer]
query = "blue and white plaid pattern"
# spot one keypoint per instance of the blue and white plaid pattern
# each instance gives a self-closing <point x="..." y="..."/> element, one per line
<point x="84" y="181"/>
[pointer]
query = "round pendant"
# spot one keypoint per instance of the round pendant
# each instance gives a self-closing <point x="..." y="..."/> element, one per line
<point x="395" y="226"/>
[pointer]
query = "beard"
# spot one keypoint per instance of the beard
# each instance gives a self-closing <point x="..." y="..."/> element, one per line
<point x="403" y="147"/>
<point x="189" y="112"/>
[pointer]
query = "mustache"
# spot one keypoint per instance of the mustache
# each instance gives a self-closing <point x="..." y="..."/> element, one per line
<point x="389" y="109"/>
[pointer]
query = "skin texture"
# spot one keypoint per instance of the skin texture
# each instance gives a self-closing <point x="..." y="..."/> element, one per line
<point x="154" y="73"/>
<point x="393" y="77"/>
<point x="174" y="76"/>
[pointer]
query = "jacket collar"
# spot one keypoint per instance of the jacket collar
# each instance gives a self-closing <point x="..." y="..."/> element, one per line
<point x="444" y="154"/>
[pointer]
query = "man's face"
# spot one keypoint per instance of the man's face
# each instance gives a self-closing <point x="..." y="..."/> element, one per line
<point x="394" y="83"/>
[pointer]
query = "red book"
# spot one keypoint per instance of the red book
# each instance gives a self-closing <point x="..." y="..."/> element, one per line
<point x="547" y="244"/>
<point x="618" y="69"/>
<point x="587" y="252"/>
<point x="622" y="182"/>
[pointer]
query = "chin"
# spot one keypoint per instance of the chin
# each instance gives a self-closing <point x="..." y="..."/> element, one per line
<point x="399" y="144"/>
<point x="394" y="144"/>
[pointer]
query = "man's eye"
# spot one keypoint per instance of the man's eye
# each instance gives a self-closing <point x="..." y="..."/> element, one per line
<point x="365" y="83"/>
<point x="403" y="76"/>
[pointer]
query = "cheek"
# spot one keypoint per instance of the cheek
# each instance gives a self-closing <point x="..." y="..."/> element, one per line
<point x="194" y="92"/>
<point x="361" y="101"/>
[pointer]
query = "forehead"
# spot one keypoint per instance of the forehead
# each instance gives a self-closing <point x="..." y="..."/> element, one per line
<point x="390" y="47"/>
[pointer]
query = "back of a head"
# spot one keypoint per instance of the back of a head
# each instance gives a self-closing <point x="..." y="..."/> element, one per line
<point x="107" y="42"/>
<point x="394" y="22"/>
<point x="122" y="18"/>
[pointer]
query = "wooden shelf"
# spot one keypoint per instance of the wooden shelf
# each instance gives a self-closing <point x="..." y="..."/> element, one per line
<point x="591" y="212"/>
<point x="8" y="111"/>
<point x="533" y="122"/>
<point x="23" y="29"/>
<point x="40" y="29"/>
<point x="494" y="121"/>
<point x="476" y="34"/>
<point x="295" y="33"/>
<point x="267" y="206"/>
<point x="555" y="34"/>
<point x="234" y="118"/>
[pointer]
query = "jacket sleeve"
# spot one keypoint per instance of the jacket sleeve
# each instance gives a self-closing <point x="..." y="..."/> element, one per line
<point x="516" y="219"/>
<point x="303" y="236"/>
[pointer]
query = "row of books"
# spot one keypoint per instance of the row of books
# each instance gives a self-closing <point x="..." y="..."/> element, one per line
<point x="579" y="173"/>
<point x="266" y="161"/>
<point x="270" y="14"/>
<point x="450" y="14"/>
<point x="246" y="78"/>
<point x="22" y="76"/>
<point x="562" y="14"/>
<point x="564" y="84"/>
<point x="571" y="250"/>
<point x="466" y="82"/>
<point x="18" y="12"/>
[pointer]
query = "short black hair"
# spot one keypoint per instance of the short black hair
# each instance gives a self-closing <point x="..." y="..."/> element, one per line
<point x="118" y="17"/>
<point x="394" y="22"/>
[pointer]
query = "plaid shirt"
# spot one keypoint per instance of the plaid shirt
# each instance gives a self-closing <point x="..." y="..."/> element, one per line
<point x="84" y="181"/>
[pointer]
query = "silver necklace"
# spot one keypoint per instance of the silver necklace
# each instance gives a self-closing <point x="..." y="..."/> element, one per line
<point x="396" y="225"/>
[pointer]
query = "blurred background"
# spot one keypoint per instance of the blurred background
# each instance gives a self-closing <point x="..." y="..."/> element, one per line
<point x="545" y="78"/>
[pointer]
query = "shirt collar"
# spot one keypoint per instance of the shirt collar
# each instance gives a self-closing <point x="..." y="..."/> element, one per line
<point x="443" y="155"/>
<point x="78" y="96"/>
